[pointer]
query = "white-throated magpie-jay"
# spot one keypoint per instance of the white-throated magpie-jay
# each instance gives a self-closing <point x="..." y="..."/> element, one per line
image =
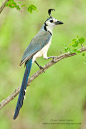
<point x="38" y="47"/>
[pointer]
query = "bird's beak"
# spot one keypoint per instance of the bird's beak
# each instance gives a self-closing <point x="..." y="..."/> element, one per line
<point x="58" y="22"/>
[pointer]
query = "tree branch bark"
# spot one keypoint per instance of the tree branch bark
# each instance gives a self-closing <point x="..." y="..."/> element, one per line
<point x="3" y="5"/>
<point x="35" y="75"/>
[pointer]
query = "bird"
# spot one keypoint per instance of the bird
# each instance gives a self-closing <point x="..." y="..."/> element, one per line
<point x="38" y="47"/>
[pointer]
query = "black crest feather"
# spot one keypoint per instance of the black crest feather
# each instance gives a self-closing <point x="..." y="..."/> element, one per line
<point x="49" y="12"/>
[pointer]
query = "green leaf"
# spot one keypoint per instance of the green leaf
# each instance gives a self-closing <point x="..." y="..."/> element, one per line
<point x="23" y="5"/>
<point x="83" y="54"/>
<point x="64" y="46"/>
<point x="17" y="7"/>
<point x="69" y="50"/>
<point x="66" y="50"/>
<point x="78" y="51"/>
<point x="75" y="44"/>
<point x="73" y="39"/>
<point x="29" y="9"/>
<point x="81" y="40"/>
<point x="74" y="50"/>
<point x="32" y="7"/>
<point x="12" y="4"/>
<point x="77" y="41"/>
<point x="7" y="4"/>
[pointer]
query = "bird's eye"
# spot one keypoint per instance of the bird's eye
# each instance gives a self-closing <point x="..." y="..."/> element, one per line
<point x="51" y="21"/>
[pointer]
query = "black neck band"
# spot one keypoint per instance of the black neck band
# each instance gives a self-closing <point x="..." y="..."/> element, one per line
<point x="50" y="32"/>
<point x="45" y="28"/>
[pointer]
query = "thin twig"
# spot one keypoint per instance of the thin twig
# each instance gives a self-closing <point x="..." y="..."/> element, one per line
<point x="82" y="45"/>
<point x="35" y="75"/>
<point x="3" y="5"/>
<point x="61" y="52"/>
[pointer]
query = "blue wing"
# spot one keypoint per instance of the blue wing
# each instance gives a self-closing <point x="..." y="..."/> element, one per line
<point x="37" y="43"/>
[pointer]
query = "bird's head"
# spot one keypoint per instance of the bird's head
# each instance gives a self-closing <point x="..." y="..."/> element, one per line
<point x="51" y="22"/>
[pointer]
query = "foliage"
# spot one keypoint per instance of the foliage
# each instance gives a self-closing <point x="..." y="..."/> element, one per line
<point x="74" y="44"/>
<point x="12" y="4"/>
<point x="16" y="5"/>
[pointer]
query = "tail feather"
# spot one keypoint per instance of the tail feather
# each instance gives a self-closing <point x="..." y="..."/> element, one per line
<point x="23" y="88"/>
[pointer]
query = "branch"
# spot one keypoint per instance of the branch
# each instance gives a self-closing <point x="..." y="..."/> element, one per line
<point x="35" y="75"/>
<point x="3" y="5"/>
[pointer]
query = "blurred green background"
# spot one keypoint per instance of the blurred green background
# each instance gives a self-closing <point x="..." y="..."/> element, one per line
<point x="60" y="92"/>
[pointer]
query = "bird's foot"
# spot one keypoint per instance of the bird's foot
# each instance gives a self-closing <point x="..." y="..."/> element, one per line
<point x="41" y="68"/>
<point x="53" y="58"/>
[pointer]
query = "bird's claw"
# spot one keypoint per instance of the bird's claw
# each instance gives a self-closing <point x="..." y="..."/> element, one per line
<point x="53" y="57"/>
<point x="41" y="68"/>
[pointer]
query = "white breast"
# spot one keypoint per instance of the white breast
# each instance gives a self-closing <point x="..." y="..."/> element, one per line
<point x="42" y="52"/>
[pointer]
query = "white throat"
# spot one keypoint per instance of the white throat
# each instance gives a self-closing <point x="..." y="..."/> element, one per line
<point x="50" y="29"/>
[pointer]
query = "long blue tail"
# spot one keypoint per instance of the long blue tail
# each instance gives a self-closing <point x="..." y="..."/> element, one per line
<point x="23" y="88"/>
